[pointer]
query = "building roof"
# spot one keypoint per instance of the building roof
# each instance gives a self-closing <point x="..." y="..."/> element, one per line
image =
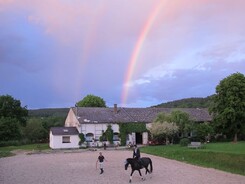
<point x="64" y="130"/>
<point x="128" y="115"/>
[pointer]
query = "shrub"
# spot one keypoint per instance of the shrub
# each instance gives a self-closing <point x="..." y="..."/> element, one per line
<point x="184" y="142"/>
<point x="82" y="138"/>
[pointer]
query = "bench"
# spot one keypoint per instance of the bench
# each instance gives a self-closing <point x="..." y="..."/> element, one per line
<point x="195" y="145"/>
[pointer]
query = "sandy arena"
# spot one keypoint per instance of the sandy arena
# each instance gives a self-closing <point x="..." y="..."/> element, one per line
<point x="79" y="168"/>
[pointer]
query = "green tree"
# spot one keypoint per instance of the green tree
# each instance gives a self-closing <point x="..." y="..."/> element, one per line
<point x="109" y="134"/>
<point x="34" y="130"/>
<point x="182" y="120"/>
<point x="204" y="131"/>
<point x="11" y="108"/>
<point x="91" y="101"/>
<point x="9" y="129"/>
<point x="229" y="105"/>
<point x="82" y="138"/>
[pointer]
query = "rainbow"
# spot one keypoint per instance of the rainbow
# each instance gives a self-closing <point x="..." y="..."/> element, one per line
<point x="136" y="51"/>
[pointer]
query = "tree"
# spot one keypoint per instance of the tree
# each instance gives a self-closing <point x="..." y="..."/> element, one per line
<point x="91" y="101"/>
<point x="163" y="128"/>
<point x="204" y="131"/>
<point x="9" y="129"/>
<point x="229" y="105"/>
<point x="109" y="134"/>
<point x="182" y="120"/>
<point x="11" y="108"/>
<point x="82" y="138"/>
<point x="34" y="130"/>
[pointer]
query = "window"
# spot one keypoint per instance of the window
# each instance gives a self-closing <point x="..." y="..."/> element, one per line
<point x="89" y="137"/>
<point x="115" y="136"/>
<point x="66" y="139"/>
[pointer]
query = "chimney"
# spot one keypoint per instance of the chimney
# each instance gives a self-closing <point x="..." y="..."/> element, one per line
<point x="115" y="108"/>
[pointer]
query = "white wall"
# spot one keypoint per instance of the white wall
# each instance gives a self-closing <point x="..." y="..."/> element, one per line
<point x="97" y="129"/>
<point x="72" y="121"/>
<point x="56" y="142"/>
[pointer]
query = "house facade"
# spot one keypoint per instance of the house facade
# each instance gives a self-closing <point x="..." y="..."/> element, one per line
<point x="92" y="122"/>
<point x="63" y="138"/>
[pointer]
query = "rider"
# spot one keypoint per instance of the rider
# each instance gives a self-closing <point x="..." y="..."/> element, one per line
<point x="136" y="154"/>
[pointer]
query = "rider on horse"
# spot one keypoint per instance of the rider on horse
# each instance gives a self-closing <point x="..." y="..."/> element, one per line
<point x="136" y="154"/>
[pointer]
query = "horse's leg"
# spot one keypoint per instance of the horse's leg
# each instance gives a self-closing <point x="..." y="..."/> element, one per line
<point x="130" y="179"/>
<point x="147" y="170"/>
<point x="141" y="175"/>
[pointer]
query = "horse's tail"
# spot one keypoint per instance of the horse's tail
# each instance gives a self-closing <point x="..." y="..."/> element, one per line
<point x="151" y="166"/>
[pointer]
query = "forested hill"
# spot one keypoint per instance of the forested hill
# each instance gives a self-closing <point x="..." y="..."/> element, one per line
<point x="183" y="103"/>
<point x="54" y="112"/>
<point x="188" y="103"/>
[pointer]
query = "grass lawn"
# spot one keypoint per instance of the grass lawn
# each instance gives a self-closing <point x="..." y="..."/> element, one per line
<point x="6" y="151"/>
<point x="228" y="157"/>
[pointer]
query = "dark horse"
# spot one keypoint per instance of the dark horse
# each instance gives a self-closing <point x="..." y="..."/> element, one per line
<point x="136" y="165"/>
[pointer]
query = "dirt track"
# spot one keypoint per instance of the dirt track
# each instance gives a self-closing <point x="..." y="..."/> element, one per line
<point x="79" y="168"/>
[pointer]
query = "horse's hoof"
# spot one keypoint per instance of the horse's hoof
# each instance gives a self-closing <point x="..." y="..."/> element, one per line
<point x="129" y="181"/>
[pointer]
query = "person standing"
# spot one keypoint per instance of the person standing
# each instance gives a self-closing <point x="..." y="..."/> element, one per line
<point x="101" y="159"/>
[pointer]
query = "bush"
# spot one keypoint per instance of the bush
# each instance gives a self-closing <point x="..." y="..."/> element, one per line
<point x="184" y="142"/>
<point x="82" y="138"/>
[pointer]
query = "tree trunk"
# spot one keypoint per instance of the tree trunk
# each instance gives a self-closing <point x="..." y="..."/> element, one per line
<point x="235" y="138"/>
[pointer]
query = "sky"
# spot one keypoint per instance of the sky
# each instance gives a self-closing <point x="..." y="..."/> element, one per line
<point x="133" y="53"/>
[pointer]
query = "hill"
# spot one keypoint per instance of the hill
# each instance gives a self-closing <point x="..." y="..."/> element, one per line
<point x="188" y="103"/>
<point x="183" y="103"/>
<point x="54" y="112"/>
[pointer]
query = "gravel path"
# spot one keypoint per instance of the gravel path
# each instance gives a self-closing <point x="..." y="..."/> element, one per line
<point x="79" y="168"/>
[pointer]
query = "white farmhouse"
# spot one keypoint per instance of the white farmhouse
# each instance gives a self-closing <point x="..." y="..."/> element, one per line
<point x="93" y="121"/>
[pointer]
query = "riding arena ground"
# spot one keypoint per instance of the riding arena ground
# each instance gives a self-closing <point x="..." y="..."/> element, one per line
<point x="79" y="167"/>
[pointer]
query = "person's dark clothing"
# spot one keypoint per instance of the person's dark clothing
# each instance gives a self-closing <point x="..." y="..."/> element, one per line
<point x="101" y="158"/>
<point x="136" y="153"/>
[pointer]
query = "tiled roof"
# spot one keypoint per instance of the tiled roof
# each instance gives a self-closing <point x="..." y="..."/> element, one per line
<point x="64" y="130"/>
<point x="128" y="115"/>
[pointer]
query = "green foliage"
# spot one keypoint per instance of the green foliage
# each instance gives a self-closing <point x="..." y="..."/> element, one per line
<point x="49" y="122"/>
<point x="91" y="101"/>
<point x="184" y="142"/>
<point x="223" y="156"/>
<point x="109" y="134"/>
<point x="11" y="108"/>
<point x="82" y="138"/>
<point x="182" y="120"/>
<point x="9" y="129"/>
<point x="49" y="112"/>
<point x="229" y="105"/>
<point x="127" y="128"/>
<point x="204" y="131"/>
<point x="103" y="137"/>
<point x="188" y="103"/>
<point x="34" y="130"/>
<point x="162" y="117"/>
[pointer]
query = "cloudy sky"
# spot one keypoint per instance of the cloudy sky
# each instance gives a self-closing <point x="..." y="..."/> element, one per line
<point x="135" y="53"/>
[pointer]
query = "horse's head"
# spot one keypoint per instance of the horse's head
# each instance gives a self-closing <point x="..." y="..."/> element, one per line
<point x="126" y="164"/>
